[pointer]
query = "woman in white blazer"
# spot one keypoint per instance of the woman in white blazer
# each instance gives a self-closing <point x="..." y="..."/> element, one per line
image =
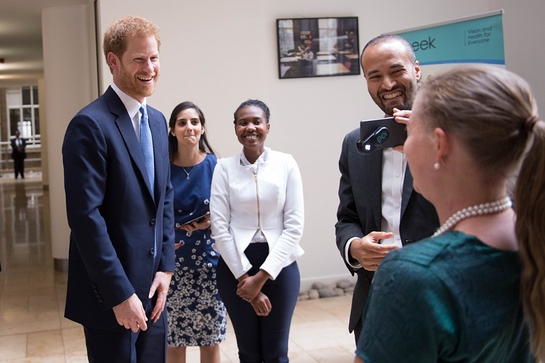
<point x="257" y="215"/>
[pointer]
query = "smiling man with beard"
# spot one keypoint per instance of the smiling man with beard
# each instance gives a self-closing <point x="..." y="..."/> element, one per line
<point x="119" y="206"/>
<point x="376" y="190"/>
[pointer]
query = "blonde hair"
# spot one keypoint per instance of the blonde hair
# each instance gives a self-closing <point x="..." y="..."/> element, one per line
<point x="530" y="229"/>
<point x="493" y="112"/>
<point x="486" y="108"/>
<point x="115" y="37"/>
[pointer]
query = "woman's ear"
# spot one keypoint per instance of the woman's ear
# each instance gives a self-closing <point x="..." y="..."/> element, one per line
<point x="442" y="144"/>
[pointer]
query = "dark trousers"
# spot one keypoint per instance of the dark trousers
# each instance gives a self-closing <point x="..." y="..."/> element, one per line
<point x="19" y="166"/>
<point x="106" y="346"/>
<point x="261" y="338"/>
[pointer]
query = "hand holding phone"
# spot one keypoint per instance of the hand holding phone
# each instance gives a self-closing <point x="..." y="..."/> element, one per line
<point x="380" y="133"/>
<point x="197" y="219"/>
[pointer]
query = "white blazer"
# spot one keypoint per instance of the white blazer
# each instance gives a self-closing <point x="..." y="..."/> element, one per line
<point x="268" y="195"/>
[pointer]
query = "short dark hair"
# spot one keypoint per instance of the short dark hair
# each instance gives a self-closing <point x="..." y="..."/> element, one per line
<point x="256" y="103"/>
<point x="383" y="38"/>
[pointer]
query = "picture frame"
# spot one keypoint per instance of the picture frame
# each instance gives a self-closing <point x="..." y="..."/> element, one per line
<point x="317" y="47"/>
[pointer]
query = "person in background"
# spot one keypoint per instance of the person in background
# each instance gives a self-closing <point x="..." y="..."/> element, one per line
<point x="196" y="314"/>
<point x="376" y="191"/>
<point x="456" y="296"/>
<point x="18" y="154"/>
<point x="257" y="215"/>
<point x="119" y="206"/>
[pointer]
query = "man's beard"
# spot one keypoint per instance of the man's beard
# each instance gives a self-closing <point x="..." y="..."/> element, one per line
<point x="406" y="104"/>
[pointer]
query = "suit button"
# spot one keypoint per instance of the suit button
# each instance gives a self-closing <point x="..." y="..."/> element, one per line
<point x="100" y="301"/>
<point x="152" y="251"/>
<point x="152" y="222"/>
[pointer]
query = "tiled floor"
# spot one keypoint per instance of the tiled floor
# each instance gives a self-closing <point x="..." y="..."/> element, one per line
<point x="32" y="294"/>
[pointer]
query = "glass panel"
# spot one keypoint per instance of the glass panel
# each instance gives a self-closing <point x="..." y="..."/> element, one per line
<point x="35" y="100"/>
<point x="14" y="118"/>
<point x="36" y="121"/>
<point x="26" y="95"/>
<point x="27" y="114"/>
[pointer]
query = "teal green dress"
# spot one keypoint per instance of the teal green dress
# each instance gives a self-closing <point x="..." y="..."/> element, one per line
<point x="446" y="299"/>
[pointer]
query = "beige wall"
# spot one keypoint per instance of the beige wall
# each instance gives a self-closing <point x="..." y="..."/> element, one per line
<point x="220" y="53"/>
<point x="69" y="84"/>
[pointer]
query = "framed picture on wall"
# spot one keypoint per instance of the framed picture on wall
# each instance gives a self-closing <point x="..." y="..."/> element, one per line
<point x="317" y="47"/>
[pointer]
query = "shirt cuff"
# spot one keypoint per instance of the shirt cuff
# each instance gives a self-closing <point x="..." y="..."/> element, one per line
<point x="349" y="258"/>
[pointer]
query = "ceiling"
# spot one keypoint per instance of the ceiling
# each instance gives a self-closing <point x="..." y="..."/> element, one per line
<point x="21" y="56"/>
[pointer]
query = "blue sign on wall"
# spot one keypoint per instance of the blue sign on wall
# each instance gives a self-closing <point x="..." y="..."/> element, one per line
<point x="477" y="40"/>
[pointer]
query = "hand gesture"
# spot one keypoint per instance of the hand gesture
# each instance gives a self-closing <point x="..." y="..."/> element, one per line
<point x="369" y="252"/>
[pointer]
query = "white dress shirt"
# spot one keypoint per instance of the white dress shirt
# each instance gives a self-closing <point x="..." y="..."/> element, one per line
<point x="393" y="174"/>
<point x="133" y="108"/>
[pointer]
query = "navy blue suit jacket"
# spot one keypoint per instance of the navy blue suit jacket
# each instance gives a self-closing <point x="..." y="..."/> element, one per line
<point x="360" y="211"/>
<point x="113" y="212"/>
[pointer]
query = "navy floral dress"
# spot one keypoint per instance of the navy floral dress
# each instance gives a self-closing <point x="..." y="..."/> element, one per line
<point x="196" y="314"/>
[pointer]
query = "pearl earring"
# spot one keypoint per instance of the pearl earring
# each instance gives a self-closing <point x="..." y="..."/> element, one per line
<point x="436" y="166"/>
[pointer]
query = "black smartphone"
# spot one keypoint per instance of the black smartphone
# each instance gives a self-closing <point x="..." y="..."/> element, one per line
<point x="197" y="219"/>
<point x="380" y="133"/>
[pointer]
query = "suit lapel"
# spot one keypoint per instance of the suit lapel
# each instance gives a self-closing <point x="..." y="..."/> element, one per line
<point x="125" y="127"/>
<point x="156" y="134"/>
<point x="375" y="192"/>
<point x="407" y="190"/>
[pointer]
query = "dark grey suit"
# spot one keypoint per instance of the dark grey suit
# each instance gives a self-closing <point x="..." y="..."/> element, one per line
<point x="360" y="211"/>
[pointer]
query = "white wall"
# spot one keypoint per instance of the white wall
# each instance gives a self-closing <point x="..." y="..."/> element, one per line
<point x="220" y="53"/>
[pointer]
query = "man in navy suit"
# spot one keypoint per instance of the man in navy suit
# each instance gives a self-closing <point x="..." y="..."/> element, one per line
<point x="121" y="255"/>
<point x="378" y="210"/>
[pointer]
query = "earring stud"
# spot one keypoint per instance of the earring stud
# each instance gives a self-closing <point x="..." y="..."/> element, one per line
<point x="436" y="166"/>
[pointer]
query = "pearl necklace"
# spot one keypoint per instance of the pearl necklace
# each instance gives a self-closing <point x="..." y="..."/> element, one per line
<point x="185" y="171"/>
<point x="477" y="210"/>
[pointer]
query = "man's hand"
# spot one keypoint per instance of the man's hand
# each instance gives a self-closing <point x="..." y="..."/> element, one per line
<point x="369" y="252"/>
<point x="159" y="286"/>
<point x="130" y="314"/>
<point x="401" y="116"/>
<point x="261" y="304"/>
<point x="249" y="286"/>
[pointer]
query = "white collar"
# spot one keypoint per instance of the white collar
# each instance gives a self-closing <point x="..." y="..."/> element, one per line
<point x="131" y="105"/>
<point x="261" y="159"/>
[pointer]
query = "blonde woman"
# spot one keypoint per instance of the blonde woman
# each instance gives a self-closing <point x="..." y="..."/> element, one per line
<point x="456" y="297"/>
